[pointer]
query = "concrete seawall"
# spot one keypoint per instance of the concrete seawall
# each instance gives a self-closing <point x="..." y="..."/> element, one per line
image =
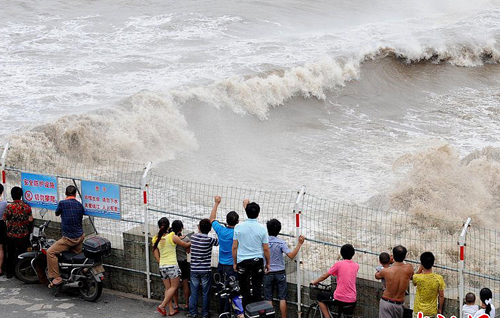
<point x="126" y="267"/>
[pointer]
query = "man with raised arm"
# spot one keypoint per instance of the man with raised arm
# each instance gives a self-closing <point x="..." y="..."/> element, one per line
<point x="225" y="235"/>
<point x="250" y="246"/>
<point x="71" y="212"/>
<point x="396" y="278"/>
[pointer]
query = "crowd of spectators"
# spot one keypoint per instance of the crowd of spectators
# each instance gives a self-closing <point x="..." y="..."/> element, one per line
<point x="252" y="254"/>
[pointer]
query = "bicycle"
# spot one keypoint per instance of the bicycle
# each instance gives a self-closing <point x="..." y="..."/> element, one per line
<point x="230" y="291"/>
<point x="314" y="311"/>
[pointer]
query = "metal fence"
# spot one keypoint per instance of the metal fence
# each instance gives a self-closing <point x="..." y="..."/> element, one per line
<point x="72" y="172"/>
<point x="326" y="224"/>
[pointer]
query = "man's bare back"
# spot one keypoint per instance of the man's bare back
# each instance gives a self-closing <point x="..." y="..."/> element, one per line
<point x="397" y="279"/>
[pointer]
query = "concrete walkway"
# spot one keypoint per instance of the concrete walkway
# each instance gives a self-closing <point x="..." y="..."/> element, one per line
<point x="37" y="301"/>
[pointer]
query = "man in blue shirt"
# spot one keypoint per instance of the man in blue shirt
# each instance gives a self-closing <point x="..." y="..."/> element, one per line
<point x="225" y="235"/>
<point x="71" y="212"/>
<point x="250" y="246"/>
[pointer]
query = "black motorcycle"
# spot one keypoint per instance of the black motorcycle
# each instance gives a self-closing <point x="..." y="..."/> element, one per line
<point x="230" y="290"/>
<point x="83" y="271"/>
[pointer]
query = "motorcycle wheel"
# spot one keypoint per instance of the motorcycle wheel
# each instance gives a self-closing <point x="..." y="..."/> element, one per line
<point x="25" y="272"/>
<point x="91" y="289"/>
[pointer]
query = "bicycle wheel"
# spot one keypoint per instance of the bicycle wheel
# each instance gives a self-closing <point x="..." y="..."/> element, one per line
<point x="314" y="311"/>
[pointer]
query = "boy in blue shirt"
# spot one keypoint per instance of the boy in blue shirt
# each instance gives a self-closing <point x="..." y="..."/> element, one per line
<point x="225" y="235"/>
<point x="276" y="277"/>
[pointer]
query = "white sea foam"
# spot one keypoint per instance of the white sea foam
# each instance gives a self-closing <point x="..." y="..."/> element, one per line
<point x="143" y="126"/>
<point x="439" y="183"/>
<point x="107" y="80"/>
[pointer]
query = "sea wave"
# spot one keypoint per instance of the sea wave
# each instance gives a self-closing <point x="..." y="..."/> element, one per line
<point x="144" y="126"/>
<point x="151" y="124"/>
<point x="258" y="94"/>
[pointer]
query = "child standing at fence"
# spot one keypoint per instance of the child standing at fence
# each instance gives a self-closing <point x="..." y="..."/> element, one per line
<point x="276" y="277"/>
<point x="470" y="307"/>
<point x="201" y="270"/>
<point x="164" y="250"/>
<point x="385" y="262"/>
<point x="487" y="307"/>
<point x="182" y="260"/>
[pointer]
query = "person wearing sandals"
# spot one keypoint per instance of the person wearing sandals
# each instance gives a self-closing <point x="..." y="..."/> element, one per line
<point x="164" y="250"/>
<point x="182" y="260"/>
<point x="71" y="212"/>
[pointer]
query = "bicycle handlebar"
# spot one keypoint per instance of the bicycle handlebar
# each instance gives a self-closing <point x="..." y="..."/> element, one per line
<point x="319" y="285"/>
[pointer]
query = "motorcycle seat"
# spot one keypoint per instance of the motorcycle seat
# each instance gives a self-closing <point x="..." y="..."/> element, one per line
<point x="72" y="258"/>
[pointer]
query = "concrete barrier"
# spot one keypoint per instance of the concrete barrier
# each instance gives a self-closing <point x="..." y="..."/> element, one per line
<point x="126" y="266"/>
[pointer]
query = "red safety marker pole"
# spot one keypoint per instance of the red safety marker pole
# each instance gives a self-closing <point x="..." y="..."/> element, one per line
<point x="2" y="163"/>
<point x="297" y="211"/>
<point x="461" y="263"/>
<point x="144" y="189"/>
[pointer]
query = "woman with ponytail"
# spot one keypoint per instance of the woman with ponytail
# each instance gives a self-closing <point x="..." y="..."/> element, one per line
<point x="164" y="250"/>
<point x="182" y="252"/>
<point x="487" y="307"/>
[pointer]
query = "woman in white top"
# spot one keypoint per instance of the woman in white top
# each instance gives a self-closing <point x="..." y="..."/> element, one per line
<point x="486" y="304"/>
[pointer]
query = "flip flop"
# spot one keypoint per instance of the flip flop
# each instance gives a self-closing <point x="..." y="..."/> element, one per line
<point x="175" y="313"/>
<point x="162" y="311"/>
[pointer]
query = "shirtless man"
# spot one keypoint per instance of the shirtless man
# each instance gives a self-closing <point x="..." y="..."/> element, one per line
<point x="396" y="278"/>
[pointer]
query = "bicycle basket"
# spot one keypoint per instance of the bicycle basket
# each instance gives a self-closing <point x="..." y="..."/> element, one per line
<point x="314" y="290"/>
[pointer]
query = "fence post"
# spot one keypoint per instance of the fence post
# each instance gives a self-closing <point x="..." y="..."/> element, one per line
<point x="461" y="264"/>
<point x="144" y="188"/>
<point x="297" y="211"/>
<point x="2" y="162"/>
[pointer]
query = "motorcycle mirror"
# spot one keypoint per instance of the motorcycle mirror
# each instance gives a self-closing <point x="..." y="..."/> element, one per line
<point x="43" y="212"/>
<point x="217" y="278"/>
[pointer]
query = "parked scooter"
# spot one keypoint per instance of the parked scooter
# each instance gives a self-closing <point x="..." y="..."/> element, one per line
<point x="230" y="290"/>
<point x="83" y="271"/>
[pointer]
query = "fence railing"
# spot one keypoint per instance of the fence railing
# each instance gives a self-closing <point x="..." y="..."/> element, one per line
<point x="327" y="224"/>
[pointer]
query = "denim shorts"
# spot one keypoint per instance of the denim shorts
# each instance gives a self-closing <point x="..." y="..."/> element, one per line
<point x="278" y="280"/>
<point x="168" y="272"/>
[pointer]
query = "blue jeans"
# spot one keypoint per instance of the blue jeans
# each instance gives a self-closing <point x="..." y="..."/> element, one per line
<point x="204" y="280"/>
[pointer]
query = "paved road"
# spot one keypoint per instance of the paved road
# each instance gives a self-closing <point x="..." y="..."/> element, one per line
<point x="37" y="301"/>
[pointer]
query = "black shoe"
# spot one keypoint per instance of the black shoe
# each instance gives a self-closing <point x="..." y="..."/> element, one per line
<point x="9" y="276"/>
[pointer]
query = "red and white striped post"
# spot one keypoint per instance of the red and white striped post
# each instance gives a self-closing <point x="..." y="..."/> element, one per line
<point x="144" y="189"/>
<point x="297" y="210"/>
<point x="461" y="263"/>
<point x="2" y="163"/>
